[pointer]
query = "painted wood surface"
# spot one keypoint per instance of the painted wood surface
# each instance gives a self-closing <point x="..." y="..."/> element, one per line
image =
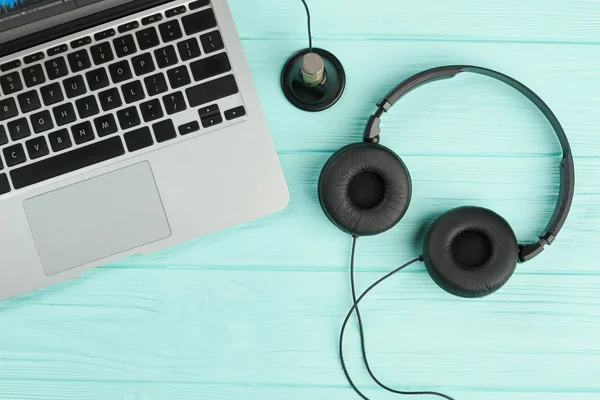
<point x="253" y="312"/>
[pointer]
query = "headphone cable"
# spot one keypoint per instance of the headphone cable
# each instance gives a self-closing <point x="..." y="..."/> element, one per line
<point x="362" y="336"/>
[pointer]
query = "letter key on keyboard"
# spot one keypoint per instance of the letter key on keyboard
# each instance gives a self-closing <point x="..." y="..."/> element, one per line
<point x="29" y="101"/>
<point x="52" y="94"/>
<point x="8" y="109"/>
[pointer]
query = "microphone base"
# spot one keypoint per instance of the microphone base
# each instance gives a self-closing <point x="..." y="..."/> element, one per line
<point x="317" y="98"/>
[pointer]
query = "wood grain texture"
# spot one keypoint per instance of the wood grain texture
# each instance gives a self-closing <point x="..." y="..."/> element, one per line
<point x="461" y="20"/>
<point x="253" y="312"/>
<point x="279" y="329"/>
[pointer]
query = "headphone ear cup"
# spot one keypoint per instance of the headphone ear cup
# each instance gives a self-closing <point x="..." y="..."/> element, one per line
<point x="470" y="252"/>
<point x="364" y="189"/>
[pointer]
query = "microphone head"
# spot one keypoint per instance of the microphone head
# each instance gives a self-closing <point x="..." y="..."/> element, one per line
<point x="313" y="69"/>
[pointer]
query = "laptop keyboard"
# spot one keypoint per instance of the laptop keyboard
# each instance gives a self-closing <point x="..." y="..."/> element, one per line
<point x="114" y="92"/>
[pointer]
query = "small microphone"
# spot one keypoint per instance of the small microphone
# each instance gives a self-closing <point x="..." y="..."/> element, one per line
<point x="313" y="69"/>
<point x="313" y="79"/>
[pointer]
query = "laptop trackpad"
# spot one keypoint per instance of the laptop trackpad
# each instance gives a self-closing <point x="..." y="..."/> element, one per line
<point x="97" y="218"/>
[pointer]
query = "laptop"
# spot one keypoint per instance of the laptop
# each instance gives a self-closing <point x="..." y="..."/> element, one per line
<point x="125" y="127"/>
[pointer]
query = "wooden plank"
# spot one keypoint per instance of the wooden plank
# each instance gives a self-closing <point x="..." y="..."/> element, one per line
<point x="504" y="20"/>
<point x="74" y="390"/>
<point x="522" y="190"/>
<point x="468" y="115"/>
<point x="243" y="329"/>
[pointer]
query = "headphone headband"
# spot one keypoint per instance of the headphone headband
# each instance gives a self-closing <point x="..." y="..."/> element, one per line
<point x="567" y="167"/>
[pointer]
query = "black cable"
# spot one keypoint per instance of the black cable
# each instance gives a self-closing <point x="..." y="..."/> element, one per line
<point x="309" y="31"/>
<point x="362" y="337"/>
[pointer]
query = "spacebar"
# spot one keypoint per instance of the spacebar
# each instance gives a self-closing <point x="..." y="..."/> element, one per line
<point x="67" y="162"/>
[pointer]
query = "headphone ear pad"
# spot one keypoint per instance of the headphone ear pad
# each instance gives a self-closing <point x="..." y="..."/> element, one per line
<point x="470" y="252"/>
<point x="364" y="189"/>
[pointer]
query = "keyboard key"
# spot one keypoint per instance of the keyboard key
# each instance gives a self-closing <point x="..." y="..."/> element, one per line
<point x="14" y="155"/>
<point x="102" y="53"/>
<point x="83" y="132"/>
<point x="212" y="42"/>
<point x="4" y="185"/>
<point x="198" y="22"/>
<point x="41" y="122"/>
<point x="110" y="99"/>
<point x="235" y="113"/>
<point x="133" y="92"/>
<point x="147" y="38"/>
<point x="173" y="12"/>
<point x="67" y="162"/>
<point x="164" y="130"/>
<point x="97" y="79"/>
<point x="56" y="68"/>
<point x="174" y="103"/>
<point x="34" y="75"/>
<point x="34" y="57"/>
<point x="189" y="49"/>
<point x="155" y="84"/>
<point x="170" y="31"/>
<point x="209" y="111"/>
<point x="60" y="140"/>
<point x="104" y="34"/>
<point x="166" y="56"/>
<point x="199" y="4"/>
<point x="3" y="136"/>
<point x="138" y="139"/>
<point x="19" y="129"/>
<point x="151" y="110"/>
<point x="64" y="114"/>
<point x="143" y="64"/>
<point x="212" y="121"/>
<point x="87" y="107"/>
<point x="74" y="86"/>
<point x="29" y="101"/>
<point x="211" y="91"/>
<point x="10" y="65"/>
<point x="8" y="109"/>
<point x="37" y="147"/>
<point x="179" y="77"/>
<point x="81" y="42"/>
<point x="188" y="128"/>
<point x="120" y="71"/>
<point x="211" y="66"/>
<point x="124" y="46"/>
<point x="57" y="50"/>
<point x="52" y="94"/>
<point x="128" y="26"/>
<point x="128" y="117"/>
<point x="152" y="19"/>
<point x="105" y="125"/>
<point x="79" y="60"/>
<point x="11" y="83"/>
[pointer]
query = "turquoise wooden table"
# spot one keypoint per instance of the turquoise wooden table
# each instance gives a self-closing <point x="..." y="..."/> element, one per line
<point x="254" y="312"/>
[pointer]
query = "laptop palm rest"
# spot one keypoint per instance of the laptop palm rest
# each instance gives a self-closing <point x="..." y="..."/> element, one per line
<point x="97" y="218"/>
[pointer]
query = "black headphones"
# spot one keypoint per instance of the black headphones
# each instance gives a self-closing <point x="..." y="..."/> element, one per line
<point x="365" y="189"/>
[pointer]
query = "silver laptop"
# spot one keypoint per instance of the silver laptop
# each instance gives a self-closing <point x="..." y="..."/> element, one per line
<point x="125" y="127"/>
